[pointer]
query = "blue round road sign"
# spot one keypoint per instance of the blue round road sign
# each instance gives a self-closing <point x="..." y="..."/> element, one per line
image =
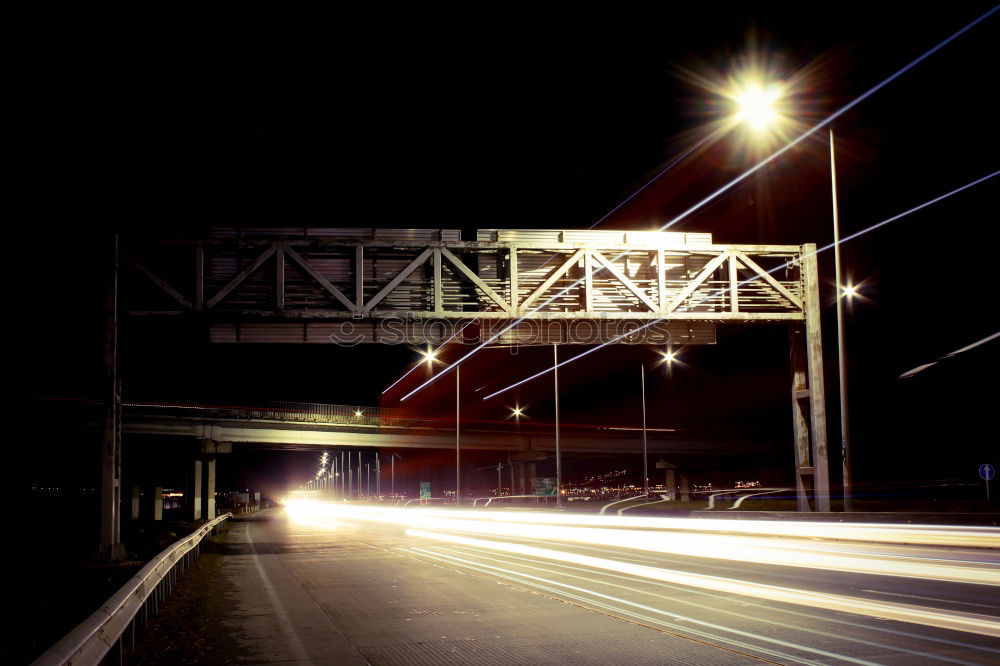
<point x="987" y="472"/>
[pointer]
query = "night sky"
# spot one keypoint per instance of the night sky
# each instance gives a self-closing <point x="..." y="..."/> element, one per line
<point x="431" y="119"/>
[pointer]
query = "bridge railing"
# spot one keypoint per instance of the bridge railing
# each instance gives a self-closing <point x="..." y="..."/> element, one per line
<point x="115" y="623"/>
<point x="301" y="412"/>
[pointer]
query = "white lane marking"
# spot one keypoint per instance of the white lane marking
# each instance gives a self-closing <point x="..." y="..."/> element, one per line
<point x="658" y="611"/>
<point x="284" y="623"/>
<point x="917" y="596"/>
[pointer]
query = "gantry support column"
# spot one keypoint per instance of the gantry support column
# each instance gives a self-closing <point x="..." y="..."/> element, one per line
<point x="812" y="475"/>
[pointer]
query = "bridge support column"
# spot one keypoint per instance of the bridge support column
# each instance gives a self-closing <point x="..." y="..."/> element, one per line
<point x="671" y="483"/>
<point x="210" y="449"/>
<point x="194" y="501"/>
<point x="210" y="488"/>
<point x="157" y="498"/>
<point x="812" y="476"/>
<point x="136" y="498"/>
<point x="685" y="489"/>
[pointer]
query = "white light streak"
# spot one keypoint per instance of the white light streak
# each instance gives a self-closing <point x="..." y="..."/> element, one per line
<point x="694" y="538"/>
<point x="955" y="620"/>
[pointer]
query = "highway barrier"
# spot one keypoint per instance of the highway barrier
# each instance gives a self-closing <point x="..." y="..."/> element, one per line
<point x="111" y="626"/>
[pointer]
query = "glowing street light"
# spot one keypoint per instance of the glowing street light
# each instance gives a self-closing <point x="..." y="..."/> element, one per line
<point x="429" y="355"/>
<point x="668" y="357"/>
<point x="756" y="103"/>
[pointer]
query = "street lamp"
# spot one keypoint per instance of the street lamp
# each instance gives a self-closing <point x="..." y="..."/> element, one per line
<point x="756" y="106"/>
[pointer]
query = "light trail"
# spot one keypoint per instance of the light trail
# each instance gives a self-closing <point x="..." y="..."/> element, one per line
<point x="688" y="541"/>
<point x="561" y="568"/>
<point x="977" y="343"/>
<point x="956" y="536"/>
<point x="730" y="184"/>
<point x="747" y="281"/>
<point x="955" y="620"/>
<point x="648" y="615"/>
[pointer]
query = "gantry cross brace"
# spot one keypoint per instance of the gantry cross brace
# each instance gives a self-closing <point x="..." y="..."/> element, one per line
<point x="310" y="279"/>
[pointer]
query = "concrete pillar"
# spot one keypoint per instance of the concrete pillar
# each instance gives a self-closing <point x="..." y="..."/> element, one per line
<point x="195" y="501"/>
<point x="685" y="488"/>
<point x="671" y="483"/>
<point x="157" y="503"/>
<point x="210" y="489"/>
<point x="210" y="449"/>
<point x="810" y="349"/>
<point x="136" y="495"/>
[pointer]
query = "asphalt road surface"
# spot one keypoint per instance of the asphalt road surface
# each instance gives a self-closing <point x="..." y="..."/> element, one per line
<point x="343" y="585"/>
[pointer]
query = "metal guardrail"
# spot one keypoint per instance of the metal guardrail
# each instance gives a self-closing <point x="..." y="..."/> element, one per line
<point x="138" y="600"/>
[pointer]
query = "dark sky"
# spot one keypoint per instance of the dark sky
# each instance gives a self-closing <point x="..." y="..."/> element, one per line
<point x="432" y="118"/>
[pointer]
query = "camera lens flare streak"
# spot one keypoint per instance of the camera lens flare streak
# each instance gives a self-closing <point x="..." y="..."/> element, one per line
<point x="718" y="192"/>
<point x="898" y="551"/>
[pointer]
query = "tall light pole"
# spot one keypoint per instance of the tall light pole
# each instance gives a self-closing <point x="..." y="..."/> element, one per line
<point x="645" y="456"/>
<point x="458" y="441"/>
<point x="845" y="430"/>
<point x="756" y="108"/>
<point x="555" y="388"/>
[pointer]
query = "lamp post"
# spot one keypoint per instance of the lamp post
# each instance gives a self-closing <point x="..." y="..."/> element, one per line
<point x="458" y="441"/>
<point x="756" y="108"/>
<point x="842" y="292"/>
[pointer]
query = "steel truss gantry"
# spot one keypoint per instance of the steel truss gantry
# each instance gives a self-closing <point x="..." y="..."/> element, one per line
<point x="571" y="287"/>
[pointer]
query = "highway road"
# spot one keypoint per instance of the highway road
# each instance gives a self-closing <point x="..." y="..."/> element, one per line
<point x="336" y="583"/>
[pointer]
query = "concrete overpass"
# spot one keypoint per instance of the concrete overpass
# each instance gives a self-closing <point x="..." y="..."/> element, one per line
<point x="303" y="425"/>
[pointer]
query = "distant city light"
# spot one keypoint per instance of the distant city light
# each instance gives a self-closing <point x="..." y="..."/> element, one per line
<point x="357" y="412"/>
<point x="850" y="291"/>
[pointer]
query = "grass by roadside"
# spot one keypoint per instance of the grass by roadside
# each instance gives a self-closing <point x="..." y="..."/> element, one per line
<point x="179" y="634"/>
